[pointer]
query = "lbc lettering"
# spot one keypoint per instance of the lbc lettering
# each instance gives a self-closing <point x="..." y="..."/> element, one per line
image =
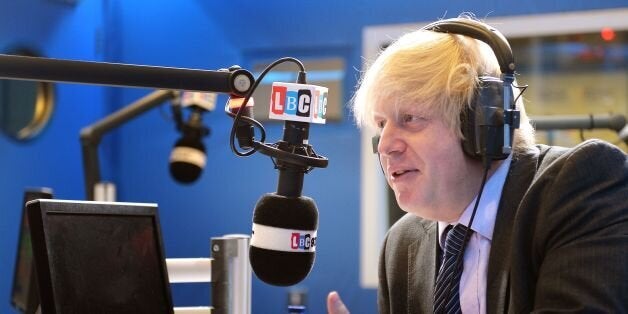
<point x="299" y="103"/>
<point x="302" y="241"/>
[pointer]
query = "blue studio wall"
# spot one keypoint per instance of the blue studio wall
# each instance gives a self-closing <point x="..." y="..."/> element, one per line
<point x="54" y="29"/>
<point x="208" y="35"/>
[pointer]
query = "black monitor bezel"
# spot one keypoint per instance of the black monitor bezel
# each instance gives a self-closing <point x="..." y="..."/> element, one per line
<point x="37" y="212"/>
<point x="32" y="303"/>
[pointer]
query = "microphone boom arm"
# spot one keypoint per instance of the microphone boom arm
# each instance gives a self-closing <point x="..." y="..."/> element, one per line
<point x="614" y="122"/>
<point x="92" y="134"/>
<point x="234" y="81"/>
<point x="237" y="82"/>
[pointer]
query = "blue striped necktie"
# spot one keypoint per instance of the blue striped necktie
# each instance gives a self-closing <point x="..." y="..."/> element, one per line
<point x="447" y="289"/>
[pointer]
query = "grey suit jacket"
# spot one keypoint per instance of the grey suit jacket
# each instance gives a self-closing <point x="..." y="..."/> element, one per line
<point x="560" y="241"/>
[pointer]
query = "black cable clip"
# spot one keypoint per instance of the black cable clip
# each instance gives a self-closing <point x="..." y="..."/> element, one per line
<point x="512" y="117"/>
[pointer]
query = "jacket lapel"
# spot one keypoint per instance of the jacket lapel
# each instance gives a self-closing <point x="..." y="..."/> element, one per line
<point x="520" y="175"/>
<point x="422" y="271"/>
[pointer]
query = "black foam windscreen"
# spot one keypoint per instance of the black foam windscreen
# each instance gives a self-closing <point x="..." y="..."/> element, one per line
<point x="187" y="159"/>
<point x="283" y="268"/>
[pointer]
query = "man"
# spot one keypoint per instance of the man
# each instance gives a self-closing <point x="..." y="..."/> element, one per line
<point x="551" y="228"/>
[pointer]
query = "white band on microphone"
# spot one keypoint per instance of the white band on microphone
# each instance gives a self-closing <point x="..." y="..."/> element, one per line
<point x="188" y="155"/>
<point x="285" y="240"/>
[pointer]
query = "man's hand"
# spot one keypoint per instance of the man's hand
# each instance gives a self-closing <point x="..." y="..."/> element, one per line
<point x="335" y="305"/>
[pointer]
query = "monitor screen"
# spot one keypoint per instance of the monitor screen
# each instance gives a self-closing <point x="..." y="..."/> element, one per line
<point x="24" y="293"/>
<point x="99" y="257"/>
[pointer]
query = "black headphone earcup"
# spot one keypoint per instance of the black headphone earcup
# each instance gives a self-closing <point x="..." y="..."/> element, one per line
<point x="467" y="126"/>
<point x="478" y="141"/>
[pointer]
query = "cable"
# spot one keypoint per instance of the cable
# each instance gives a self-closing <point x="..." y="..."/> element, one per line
<point x="249" y="120"/>
<point x="238" y="117"/>
<point x="582" y="139"/>
<point x="522" y="90"/>
<point x="591" y="127"/>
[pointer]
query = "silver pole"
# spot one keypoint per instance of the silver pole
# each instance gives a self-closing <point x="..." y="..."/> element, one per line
<point x="231" y="275"/>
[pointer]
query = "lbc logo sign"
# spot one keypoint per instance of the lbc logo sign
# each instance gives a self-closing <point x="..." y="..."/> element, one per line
<point x="303" y="241"/>
<point x="298" y="102"/>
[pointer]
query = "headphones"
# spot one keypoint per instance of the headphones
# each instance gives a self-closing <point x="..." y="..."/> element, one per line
<point x="489" y="122"/>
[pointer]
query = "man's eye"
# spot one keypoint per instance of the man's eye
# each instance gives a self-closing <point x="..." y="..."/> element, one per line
<point x="410" y="118"/>
<point x="380" y="124"/>
<point x="413" y="121"/>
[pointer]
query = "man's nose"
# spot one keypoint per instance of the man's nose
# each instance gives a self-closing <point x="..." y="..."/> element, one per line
<point x="390" y="140"/>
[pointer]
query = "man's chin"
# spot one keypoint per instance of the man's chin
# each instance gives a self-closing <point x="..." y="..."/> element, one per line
<point x="421" y="211"/>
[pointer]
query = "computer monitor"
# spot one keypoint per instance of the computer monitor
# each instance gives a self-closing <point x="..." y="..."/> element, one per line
<point x="24" y="293"/>
<point x="99" y="257"/>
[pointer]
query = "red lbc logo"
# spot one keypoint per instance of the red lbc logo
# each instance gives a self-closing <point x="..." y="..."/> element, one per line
<point x="302" y="241"/>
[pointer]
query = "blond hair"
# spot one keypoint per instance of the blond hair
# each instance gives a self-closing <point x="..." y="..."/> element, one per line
<point x="437" y="72"/>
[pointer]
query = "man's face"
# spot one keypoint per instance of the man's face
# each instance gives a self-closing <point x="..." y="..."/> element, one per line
<point x="424" y="163"/>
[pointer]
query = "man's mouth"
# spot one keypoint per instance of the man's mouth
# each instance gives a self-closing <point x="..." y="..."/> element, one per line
<point x="400" y="173"/>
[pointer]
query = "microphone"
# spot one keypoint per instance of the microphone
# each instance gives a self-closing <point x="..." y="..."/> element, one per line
<point x="283" y="242"/>
<point x="285" y="223"/>
<point x="188" y="156"/>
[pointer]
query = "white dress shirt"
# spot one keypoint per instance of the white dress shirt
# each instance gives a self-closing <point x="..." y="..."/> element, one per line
<point x="473" y="279"/>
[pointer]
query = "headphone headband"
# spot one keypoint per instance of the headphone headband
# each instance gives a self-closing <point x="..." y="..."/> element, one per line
<point x="482" y="32"/>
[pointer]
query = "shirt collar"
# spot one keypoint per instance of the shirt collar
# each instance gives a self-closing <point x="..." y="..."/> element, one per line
<point x="484" y="221"/>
